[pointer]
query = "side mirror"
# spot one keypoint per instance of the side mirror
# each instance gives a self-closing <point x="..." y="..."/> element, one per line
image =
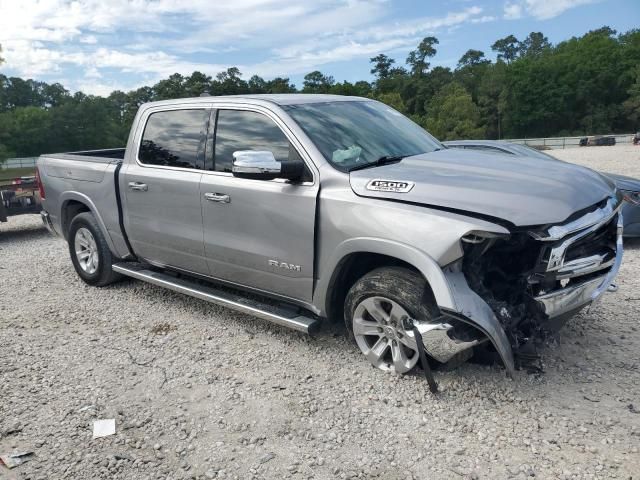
<point x="262" y="165"/>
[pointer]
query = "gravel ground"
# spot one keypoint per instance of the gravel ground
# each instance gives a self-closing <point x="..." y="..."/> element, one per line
<point x="199" y="391"/>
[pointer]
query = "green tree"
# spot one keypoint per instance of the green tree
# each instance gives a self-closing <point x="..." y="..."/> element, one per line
<point x="605" y="31"/>
<point x="394" y="82"/>
<point x="417" y="58"/>
<point x="472" y="58"/>
<point x="5" y="153"/>
<point x="196" y="84"/>
<point x="26" y="131"/>
<point x="472" y="68"/>
<point x="381" y="65"/>
<point x="491" y="98"/>
<point x="632" y="104"/>
<point x="230" y="82"/>
<point x="317" y="82"/>
<point x="394" y="100"/>
<point x="257" y="84"/>
<point x="55" y="95"/>
<point x="280" y="85"/>
<point x="577" y="88"/>
<point x="452" y="114"/>
<point x="507" y="48"/>
<point x="584" y="85"/>
<point x="535" y="44"/>
<point x="359" y="89"/>
<point x="417" y="91"/>
<point x="172" y="87"/>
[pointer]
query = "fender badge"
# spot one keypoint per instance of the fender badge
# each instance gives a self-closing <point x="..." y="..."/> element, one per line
<point x="390" y="186"/>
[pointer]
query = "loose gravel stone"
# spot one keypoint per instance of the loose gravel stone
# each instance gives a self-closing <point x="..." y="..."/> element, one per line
<point x="199" y="391"/>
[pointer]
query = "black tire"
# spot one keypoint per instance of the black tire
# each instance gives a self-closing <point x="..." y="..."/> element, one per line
<point x="404" y="286"/>
<point x="103" y="275"/>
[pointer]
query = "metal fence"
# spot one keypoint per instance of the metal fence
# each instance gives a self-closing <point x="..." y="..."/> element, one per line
<point x="567" y="142"/>
<point x="24" y="162"/>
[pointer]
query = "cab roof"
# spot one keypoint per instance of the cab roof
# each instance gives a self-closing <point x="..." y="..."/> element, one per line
<point x="276" y="98"/>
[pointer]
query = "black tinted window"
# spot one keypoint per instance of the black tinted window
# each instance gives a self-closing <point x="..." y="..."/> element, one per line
<point x="239" y="130"/>
<point x="174" y="138"/>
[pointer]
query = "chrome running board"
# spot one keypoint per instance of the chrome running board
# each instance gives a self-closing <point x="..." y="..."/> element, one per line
<point x="273" y="313"/>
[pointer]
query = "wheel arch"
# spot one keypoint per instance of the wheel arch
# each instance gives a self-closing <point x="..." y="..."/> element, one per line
<point x="73" y="203"/>
<point x="354" y="258"/>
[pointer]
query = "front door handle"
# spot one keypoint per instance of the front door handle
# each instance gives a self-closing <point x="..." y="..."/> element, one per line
<point x="217" y="197"/>
<point x="140" y="187"/>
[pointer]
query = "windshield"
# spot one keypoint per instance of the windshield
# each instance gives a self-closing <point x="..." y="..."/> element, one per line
<point x="352" y="134"/>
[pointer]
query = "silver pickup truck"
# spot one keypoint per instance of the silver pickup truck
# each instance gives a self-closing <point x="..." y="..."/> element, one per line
<point x="299" y="208"/>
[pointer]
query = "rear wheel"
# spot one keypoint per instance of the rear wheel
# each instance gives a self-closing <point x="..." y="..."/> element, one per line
<point x="375" y="309"/>
<point x="89" y="251"/>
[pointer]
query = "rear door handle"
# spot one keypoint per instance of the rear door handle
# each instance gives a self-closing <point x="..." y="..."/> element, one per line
<point x="217" y="197"/>
<point x="140" y="187"/>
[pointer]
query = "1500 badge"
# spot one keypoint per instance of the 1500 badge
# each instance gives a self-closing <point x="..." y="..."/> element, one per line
<point x="390" y="186"/>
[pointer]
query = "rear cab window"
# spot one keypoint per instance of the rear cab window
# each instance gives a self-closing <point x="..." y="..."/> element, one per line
<point x="175" y="138"/>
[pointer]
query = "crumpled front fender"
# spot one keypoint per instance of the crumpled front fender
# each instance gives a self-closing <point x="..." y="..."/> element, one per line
<point x="470" y="308"/>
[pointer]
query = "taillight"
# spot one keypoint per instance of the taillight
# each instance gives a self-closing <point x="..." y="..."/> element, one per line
<point x="39" y="183"/>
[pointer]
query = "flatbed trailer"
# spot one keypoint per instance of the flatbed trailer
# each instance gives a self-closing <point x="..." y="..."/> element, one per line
<point x="18" y="197"/>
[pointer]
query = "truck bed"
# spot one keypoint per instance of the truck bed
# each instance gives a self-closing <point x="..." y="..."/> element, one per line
<point x="87" y="177"/>
<point x="111" y="153"/>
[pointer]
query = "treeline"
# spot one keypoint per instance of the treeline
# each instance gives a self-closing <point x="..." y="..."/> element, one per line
<point x="585" y="85"/>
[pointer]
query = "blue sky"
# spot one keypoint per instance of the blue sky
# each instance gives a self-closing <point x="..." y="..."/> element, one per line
<point x="101" y="45"/>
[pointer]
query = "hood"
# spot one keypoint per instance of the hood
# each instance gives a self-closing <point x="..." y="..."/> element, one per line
<point x="521" y="190"/>
<point x="624" y="183"/>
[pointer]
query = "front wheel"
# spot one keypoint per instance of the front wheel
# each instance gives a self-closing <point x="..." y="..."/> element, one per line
<point x="89" y="251"/>
<point x="375" y="309"/>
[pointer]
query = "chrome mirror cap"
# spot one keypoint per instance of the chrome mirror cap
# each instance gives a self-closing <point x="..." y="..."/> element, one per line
<point x="255" y="162"/>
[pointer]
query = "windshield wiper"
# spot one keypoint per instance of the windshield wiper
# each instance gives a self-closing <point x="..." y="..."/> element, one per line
<point x="384" y="160"/>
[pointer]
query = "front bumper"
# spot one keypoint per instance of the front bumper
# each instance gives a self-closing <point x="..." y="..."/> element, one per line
<point x="576" y="264"/>
<point x="573" y="298"/>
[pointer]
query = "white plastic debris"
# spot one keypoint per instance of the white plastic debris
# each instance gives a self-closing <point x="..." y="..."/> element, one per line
<point x="12" y="460"/>
<point x="104" y="428"/>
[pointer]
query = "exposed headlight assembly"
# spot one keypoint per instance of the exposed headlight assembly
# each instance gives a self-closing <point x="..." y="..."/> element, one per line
<point x="478" y="236"/>
<point x="631" y="197"/>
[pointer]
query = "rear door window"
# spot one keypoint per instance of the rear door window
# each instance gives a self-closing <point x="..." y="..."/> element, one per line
<point x="175" y="138"/>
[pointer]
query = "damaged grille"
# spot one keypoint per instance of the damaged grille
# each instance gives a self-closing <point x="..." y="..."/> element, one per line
<point x="576" y="258"/>
<point x="602" y="240"/>
<point x="529" y="278"/>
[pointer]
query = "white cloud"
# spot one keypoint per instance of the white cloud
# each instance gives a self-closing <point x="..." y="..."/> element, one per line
<point x="484" y="19"/>
<point x="541" y="9"/>
<point x="92" y="72"/>
<point x="89" y="39"/>
<point x="152" y="39"/>
<point x="159" y="63"/>
<point x="95" y="87"/>
<point x="512" y="11"/>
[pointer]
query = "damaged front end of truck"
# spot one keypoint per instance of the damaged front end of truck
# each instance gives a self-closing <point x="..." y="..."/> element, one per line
<point x="515" y="289"/>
